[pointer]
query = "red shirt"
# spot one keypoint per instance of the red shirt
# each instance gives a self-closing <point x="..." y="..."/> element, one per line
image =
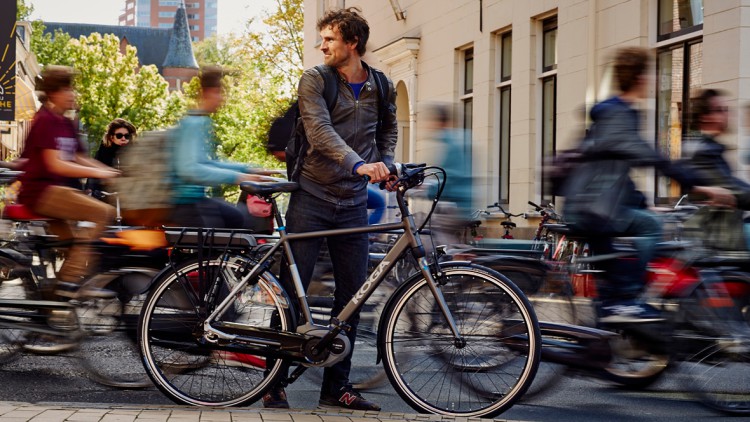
<point x="48" y="131"/>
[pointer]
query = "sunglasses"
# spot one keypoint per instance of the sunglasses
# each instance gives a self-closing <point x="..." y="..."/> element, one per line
<point x="123" y="135"/>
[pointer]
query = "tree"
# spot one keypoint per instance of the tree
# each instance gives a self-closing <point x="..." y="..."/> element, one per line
<point x="111" y="84"/>
<point x="23" y="11"/>
<point x="266" y="66"/>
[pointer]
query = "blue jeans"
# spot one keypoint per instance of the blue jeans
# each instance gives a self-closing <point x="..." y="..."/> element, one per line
<point x="349" y="256"/>
<point x="626" y="277"/>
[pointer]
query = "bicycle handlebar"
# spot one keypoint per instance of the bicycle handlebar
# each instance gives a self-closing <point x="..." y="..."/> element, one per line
<point x="502" y="210"/>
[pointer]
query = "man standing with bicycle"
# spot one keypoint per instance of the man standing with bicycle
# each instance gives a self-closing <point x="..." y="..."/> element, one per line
<point x="351" y="142"/>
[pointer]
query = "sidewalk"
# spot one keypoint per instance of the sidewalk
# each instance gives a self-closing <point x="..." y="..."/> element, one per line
<point x="88" y="412"/>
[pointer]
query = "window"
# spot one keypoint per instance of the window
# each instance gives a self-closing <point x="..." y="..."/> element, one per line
<point x="467" y="98"/>
<point x="21" y="33"/>
<point x="194" y="27"/>
<point x="166" y="14"/>
<point x="468" y="71"/>
<point x="549" y="44"/>
<point x="502" y="92"/>
<point x="130" y="6"/>
<point x="548" y="81"/>
<point x="193" y="16"/>
<point x="169" y="3"/>
<point x="679" y="72"/>
<point x="679" y="17"/>
<point x="165" y="25"/>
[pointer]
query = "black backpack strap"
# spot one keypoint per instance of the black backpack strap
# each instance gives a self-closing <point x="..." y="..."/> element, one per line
<point x="384" y="95"/>
<point x="330" y="85"/>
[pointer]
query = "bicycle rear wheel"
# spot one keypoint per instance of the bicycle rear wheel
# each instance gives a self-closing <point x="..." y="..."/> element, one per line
<point x="192" y="372"/>
<point x="718" y="372"/>
<point x="434" y="373"/>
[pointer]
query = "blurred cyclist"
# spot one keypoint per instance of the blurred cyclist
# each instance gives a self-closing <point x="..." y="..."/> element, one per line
<point x="54" y="156"/>
<point x="614" y="139"/>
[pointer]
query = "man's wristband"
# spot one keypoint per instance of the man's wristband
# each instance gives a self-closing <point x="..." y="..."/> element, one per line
<point x="356" y="166"/>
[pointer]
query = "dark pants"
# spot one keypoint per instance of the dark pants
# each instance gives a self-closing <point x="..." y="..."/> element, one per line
<point x="208" y="213"/>
<point x="625" y="278"/>
<point x="348" y="253"/>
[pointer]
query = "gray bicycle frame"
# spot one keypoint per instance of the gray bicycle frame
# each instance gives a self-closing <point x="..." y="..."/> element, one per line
<point x="408" y="239"/>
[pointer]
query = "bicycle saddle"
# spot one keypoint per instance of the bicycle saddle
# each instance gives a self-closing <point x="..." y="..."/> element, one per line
<point x="508" y="224"/>
<point x="267" y="188"/>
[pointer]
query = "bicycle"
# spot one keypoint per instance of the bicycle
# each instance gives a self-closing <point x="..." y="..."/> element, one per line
<point x="238" y="306"/>
<point x="705" y="298"/>
<point x="99" y="331"/>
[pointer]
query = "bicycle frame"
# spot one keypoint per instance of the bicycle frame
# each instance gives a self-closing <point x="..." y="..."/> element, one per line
<point x="409" y="239"/>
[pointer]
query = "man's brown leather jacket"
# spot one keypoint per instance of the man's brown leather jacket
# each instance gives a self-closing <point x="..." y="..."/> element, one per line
<point x="345" y="136"/>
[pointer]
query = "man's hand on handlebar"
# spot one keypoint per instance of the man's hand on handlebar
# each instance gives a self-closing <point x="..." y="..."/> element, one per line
<point x="378" y="172"/>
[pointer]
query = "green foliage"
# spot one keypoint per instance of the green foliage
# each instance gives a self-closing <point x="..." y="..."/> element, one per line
<point x="265" y="68"/>
<point x="23" y="10"/>
<point x="110" y="84"/>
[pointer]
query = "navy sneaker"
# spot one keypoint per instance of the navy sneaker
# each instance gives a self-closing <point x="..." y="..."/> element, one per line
<point x="629" y="312"/>
<point x="348" y="398"/>
<point x="275" y="398"/>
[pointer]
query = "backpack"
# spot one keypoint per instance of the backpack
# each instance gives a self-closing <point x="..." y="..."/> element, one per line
<point x="145" y="187"/>
<point x="298" y="145"/>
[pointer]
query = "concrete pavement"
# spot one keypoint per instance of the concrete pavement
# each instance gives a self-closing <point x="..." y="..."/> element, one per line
<point x="87" y="412"/>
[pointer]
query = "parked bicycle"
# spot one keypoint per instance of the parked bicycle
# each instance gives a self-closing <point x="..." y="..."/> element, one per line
<point x="237" y="306"/>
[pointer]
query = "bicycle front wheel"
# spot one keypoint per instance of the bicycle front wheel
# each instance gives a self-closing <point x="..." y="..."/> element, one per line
<point x="499" y="350"/>
<point x="193" y="372"/>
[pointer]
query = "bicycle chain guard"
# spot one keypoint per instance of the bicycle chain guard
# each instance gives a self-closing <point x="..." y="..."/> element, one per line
<point x="334" y="353"/>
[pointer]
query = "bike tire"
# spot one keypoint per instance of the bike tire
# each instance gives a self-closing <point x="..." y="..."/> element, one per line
<point x="12" y="338"/>
<point x="547" y="286"/>
<point x="194" y="373"/>
<point x="109" y="351"/>
<point x="718" y="373"/>
<point x="430" y="372"/>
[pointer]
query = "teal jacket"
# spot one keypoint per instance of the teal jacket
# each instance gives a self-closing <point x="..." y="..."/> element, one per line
<point x="194" y="160"/>
<point x="455" y="159"/>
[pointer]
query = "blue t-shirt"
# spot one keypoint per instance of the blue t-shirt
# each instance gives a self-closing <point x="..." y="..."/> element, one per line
<point x="356" y="88"/>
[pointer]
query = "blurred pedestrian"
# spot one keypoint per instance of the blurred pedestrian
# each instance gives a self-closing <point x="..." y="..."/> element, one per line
<point x="119" y="134"/>
<point x="449" y="151"/>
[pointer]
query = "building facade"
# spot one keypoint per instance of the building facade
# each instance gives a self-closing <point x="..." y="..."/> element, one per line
<point x="202" y="15"/>
<point x="523" y="74"/>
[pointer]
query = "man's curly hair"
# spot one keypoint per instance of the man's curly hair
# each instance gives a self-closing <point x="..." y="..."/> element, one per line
<point x="350" y="23"/>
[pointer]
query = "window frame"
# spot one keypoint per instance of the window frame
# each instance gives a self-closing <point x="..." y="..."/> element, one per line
<point x="503" y="105"/>
<point x="548" y="73"/>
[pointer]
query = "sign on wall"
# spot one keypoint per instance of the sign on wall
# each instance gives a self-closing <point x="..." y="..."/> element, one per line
<point x="8" y="62"/>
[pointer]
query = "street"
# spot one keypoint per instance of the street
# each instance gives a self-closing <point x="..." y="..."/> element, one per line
<point x="58" y="379"/>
